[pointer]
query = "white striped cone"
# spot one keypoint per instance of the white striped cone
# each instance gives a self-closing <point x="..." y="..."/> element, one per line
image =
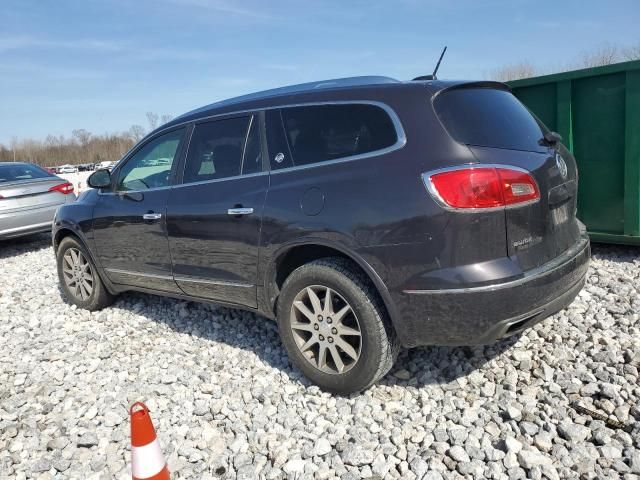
<point x="147" y="461"/>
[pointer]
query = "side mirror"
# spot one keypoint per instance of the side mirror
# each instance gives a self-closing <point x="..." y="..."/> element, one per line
<point x="100" y="179"/>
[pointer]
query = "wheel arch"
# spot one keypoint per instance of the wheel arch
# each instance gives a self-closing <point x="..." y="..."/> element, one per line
<point x="71" y="230"/>
<point x="289" y="257"/>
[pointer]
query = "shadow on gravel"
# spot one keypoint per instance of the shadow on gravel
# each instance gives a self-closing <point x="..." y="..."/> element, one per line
<point x="257" y="334"/>
<point x="615" y="253"/>
<point x="251" y="332"/>
<point x="444" y="365"/>
<point x="17" y="246"/>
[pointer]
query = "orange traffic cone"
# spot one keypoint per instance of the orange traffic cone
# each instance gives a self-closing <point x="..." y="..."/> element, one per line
<point x="147" y="461"/>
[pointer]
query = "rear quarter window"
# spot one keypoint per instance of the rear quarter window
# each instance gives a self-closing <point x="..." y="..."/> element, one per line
<point x="322" y="133"/>
<point x="490" y="118"/>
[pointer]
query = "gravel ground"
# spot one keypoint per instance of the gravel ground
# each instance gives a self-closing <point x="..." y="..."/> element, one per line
<point x="227" y="404"/>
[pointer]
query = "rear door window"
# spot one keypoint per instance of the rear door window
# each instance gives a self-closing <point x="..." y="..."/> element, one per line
<point x="216" y="148"/>
<point x="321" y="133"/>
<point x="488" y="117"/>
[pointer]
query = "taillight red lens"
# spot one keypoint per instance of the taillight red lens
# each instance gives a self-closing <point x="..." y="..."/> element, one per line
<point x="483" y="187"/>
<point x="65" y="188"/>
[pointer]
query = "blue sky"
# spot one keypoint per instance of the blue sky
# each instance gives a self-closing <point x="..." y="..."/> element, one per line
<point x="101" y="65"/>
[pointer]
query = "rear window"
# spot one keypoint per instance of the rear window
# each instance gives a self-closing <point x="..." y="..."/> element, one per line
<point x="489" y="118"/>
<point x="321" y="133"/>
<point x="12" y="173"/>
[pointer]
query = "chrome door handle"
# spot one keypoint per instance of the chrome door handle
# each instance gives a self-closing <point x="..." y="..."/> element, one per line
<point x="152" y="216"/>
<point x="240" y="211"/>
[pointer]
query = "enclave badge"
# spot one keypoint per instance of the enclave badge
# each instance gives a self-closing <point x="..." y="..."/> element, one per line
<point x="562" y="166"/>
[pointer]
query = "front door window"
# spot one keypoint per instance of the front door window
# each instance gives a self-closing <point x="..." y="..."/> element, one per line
<point x="150" y="167"/>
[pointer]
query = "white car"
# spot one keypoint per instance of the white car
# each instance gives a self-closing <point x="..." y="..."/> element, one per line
<point x="106" y="164"/>
<point x="67" y="169"/>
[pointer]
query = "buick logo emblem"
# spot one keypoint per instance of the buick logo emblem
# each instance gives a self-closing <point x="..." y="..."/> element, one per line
<point x="562" y="166"/>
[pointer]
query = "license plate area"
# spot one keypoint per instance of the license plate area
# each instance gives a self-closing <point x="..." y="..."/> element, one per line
<point x="560" y="214"/>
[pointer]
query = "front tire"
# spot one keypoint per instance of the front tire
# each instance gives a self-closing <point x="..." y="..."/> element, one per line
<point x="334" y="326"/>
<point x="79" y="278"/>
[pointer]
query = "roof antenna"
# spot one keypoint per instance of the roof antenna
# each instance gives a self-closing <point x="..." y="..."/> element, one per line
<point x="435" y="70"/>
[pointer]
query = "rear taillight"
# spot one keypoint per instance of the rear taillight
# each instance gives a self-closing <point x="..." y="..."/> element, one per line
<point x="65" y="188"/>
<point x="482" y="187"/>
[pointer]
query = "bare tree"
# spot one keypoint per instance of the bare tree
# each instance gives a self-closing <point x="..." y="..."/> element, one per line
<point x="82" y="136"/>
<point x="631" y="52"/>
<point x="166" y="118"/>
<point x="606" y="54"/>
<point x="14" y="145"/>
<point x="152" y="118"/>
<point x="514" y="72"/>
<point x="136" y="132"/>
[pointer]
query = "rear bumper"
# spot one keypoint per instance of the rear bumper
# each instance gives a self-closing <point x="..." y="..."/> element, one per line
<point x="482" y="315"/>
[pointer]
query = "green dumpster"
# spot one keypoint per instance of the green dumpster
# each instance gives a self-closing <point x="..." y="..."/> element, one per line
<point x="597" y="112"/>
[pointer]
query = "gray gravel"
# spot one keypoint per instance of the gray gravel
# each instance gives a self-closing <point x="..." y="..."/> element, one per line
<point x="227" y="404"/>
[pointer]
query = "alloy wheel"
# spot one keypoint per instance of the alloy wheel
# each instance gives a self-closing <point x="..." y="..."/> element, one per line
<point x="326" y="329"/>
<point x="78" y="275"/>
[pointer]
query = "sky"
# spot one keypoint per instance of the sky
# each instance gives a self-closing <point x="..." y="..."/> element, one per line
<point x="101" y="65"/>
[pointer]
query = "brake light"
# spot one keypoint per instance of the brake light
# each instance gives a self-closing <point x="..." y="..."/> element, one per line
<point x="65" y="188"/>
<point x="482" y="187"/>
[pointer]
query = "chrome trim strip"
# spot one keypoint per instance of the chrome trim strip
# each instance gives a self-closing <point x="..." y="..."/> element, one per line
<point x="384" y="106"/>
<point x="539" y="272"/>
<point x="125" y="192"/>
<point x="401" y="140"/>
<point x="213" y="282"/>
<point x="426" y="179"/>
<point x="216" y="180"/>
<point x="397" y="124"/>
<point x="118" y="271"/>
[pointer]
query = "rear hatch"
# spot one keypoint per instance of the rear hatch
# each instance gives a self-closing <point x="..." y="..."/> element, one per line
<point x="26" y="187"/>
<point x="499" y="131"/>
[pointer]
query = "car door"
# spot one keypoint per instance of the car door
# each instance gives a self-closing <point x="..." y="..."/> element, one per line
<point x="129" y="222"/>
<point x="214" y="214"/>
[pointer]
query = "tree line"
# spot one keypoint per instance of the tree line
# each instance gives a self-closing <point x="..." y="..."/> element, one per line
<point x="605" y="54"/>
<point x="81" y="147"/>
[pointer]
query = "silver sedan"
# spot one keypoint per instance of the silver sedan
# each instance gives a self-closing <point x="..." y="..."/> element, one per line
<point x="29" y="197"/>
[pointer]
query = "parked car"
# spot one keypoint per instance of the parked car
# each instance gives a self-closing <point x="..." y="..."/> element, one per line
<point x="67" y="169"/>
<point x="362" y="214"/>
<point x="29" y="197"/>
<point x="106" y="164"/>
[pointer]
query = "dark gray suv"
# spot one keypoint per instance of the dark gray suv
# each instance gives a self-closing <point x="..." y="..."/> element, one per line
<point x="363" y="214"/>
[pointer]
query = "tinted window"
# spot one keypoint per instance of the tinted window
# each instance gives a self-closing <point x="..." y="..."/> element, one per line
<point x="488" y="117"/>
<point x="10" y="173"/>
<point x="215" y="150"/>
<point x="328" y="132"/>
<point x="252" y="161"/>
<point x="150" y="167"/>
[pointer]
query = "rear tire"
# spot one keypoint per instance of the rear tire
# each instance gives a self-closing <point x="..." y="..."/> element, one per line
<point x="79" y="278"/>
<point x="346" y="353"/>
